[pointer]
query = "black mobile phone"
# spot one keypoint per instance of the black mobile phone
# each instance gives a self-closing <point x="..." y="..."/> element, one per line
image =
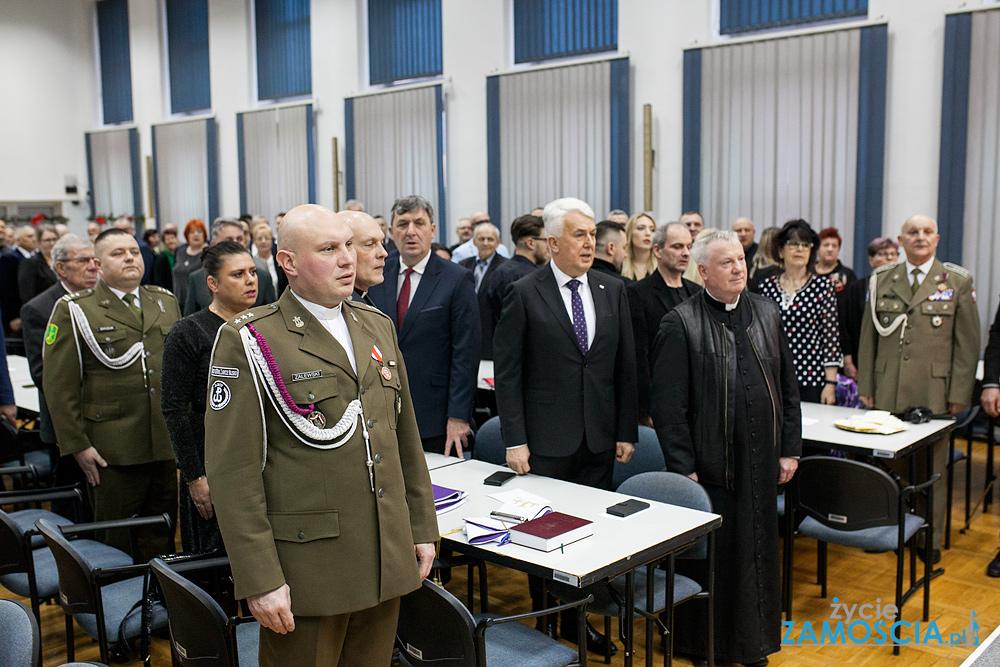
<point x="627" y="507"/>
<point x="499" y="478"/>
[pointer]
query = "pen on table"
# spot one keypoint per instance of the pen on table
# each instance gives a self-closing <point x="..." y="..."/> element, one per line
<point x="512" y="517"/>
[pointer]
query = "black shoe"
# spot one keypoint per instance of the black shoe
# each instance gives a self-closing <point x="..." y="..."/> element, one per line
<point x="596" y="642"/>
<point x="935" y="556"/>
<point x="993" y="569"/>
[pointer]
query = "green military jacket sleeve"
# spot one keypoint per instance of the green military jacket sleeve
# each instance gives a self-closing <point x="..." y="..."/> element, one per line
<point x="291" y="512"/>
<point x="922" y="348"/>
<point x="93" y="403"/>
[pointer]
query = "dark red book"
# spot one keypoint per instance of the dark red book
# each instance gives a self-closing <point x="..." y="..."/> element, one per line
<point x="551" y="531"/>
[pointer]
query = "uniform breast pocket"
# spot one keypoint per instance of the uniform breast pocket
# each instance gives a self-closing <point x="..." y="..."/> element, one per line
<point x="304" y="526"/>
<point x="391" y="388"/>
<point x="313" y="390"/>
<point x="888" y="309"/>
<point x="112" y="342"/>
<point x="936" y="316"/>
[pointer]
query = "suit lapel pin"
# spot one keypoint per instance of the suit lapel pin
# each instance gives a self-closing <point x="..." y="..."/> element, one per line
<point x="601" y="286"/>
<point x="297" y="321"/>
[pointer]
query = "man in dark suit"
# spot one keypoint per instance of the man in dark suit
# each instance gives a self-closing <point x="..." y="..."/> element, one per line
<point x="10" y="293"/>
<point x="487" y="260"/>
<point x="610" y="252"/>
<point x="73" y="260"/>
<point x="199" y="296"/>
<point x="654" y="296"/>
<point x="432" y="302"/>
<point x="745" y="231"/>
<point x="565" y="367"/>
<point x="530" y="252"/>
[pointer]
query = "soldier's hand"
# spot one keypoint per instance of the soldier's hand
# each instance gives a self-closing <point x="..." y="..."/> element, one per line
<point x="201" y="496"/>
<point x="425" y="558"/>
<point x="273" y="610"/>
<point x="10" y="412"/>
<point x="786" y="468"/>
<point x="624" y="451"/>
<point x="990" y="401"/>
<point x="89" y="460"/>
<point x="458" y="435"/>
<point x="955" y="408"/>
<point x="868" y="401"/>
<point x="517" y="459"/>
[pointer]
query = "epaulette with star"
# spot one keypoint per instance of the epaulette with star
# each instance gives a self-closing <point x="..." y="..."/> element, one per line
<point x="886" y="267"/>
<point x="253" y="314"/>
<point x="73" y="296"/>
<point x="958" y="270"/>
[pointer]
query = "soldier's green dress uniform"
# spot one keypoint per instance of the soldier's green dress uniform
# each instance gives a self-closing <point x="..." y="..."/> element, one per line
<point x="335" y="519"/>
<point x="95" y="403"/>
<point x="920" y="349"/>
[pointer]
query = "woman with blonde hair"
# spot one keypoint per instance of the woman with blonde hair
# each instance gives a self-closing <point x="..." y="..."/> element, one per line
<point x="639" y="260"/>
<point x="764" y="265"/>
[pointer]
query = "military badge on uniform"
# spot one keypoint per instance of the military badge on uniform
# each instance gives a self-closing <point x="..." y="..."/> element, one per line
<point x="937" y="321"/>
<point x="50" y="334"/>
<point x="297" y="321"/>
<point x="220" y="395"/>
<point x="942" y="295"/>
<point x="386" y="373"/>
<point x="317" y="419"/>
<point x="376" y="354"/>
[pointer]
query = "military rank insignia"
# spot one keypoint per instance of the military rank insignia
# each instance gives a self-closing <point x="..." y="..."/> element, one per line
<point x="50" y="334"/>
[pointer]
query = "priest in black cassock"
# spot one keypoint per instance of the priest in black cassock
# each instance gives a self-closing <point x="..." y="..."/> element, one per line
<point x="726" y="407"/>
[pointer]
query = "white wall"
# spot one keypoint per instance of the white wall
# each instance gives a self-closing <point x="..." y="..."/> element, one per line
<point x="51" y="43"/>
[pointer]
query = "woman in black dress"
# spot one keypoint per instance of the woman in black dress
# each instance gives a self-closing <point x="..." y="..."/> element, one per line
<point x="187" y="351"/>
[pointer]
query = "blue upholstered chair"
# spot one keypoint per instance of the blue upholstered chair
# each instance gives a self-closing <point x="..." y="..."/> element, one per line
<point x="648" y="457"/>
<point x="489" y="444"/>
<point x="20" y="640"/>
<point x="436" y="628"/>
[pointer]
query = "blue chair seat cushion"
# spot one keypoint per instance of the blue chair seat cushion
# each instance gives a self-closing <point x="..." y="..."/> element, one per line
<point x="517" y="644"/>
<point x="119" y="598"/>
<point x="248" y="643"/>
<point x="25" y="520"/>
<point x="881" y="538"/>
<point x="38" y="458"/>
<point x="46" y="574"/>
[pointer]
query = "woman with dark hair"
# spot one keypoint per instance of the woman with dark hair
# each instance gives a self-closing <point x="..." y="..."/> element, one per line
<point x="808" y="311"/>
<point x="828" y="260"/>
<point x="232" y="278"/>
<point x="188" y="257"/>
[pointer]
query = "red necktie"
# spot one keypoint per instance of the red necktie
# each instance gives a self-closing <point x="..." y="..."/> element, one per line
<point x="403" y="302"/>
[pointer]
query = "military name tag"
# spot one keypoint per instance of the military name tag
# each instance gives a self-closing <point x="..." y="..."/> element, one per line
<point x="224" y="372"/>
<point x="220" y="395"/>
<point x="308" y="375"/>
<point x="103" y="329"/>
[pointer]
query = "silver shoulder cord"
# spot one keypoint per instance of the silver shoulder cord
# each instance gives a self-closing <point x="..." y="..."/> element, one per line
<point x="81" y="327"/>
<point x="299" y="425"/>
<point x="899" y="322"/>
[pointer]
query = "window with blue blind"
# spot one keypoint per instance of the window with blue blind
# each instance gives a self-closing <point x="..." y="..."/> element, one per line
<point x="404" y="40"/>
<point x="284" y="63"/>
<point x="116" y="68"/>
<point x="737" y="16"/>
<point x="547" y="29"/>
<point x="187" y="55"/>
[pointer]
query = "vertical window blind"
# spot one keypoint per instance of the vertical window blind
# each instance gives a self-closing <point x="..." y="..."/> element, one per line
<point x="116" y="69"/>
<point x="547" y="29"/>
<point x="185" y="171"/>
<point x="736" y="16"/>
<point x="277" y="158"/>
<point x="404" y="40"/>
<point x="113" y="170"/>
<point x="187" y="55"/>
<point x="284" y="61"/>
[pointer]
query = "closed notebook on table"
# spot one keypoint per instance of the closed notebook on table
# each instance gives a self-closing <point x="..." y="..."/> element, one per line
<point x="552" y="531"/>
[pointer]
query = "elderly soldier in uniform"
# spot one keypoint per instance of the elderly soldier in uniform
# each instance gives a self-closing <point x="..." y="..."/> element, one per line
<point x="323" y="497"/>
<point x="920" y="341"/>
<point x="101" y="377"/>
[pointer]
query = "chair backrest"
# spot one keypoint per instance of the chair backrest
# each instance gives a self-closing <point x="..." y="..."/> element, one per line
<point x="10" y="448"/>
<point x="12" y="556"/>
<point x="964" y="418"/>
<point x="76" y="592"/>
<point x="489" y="443"/>
<point x="435" y="629"/>
<point x="648" y="457"/>
<point x="198" y="625"/>
<point x="20" y="640"/>
<point x="673" y="489"/>
<point x="845" y="494"/>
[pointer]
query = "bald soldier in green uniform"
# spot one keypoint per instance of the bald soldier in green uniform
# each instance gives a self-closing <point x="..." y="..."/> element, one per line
<point x="317" y="472"/>
<point x="920" y="341"/>
<point x="101" y="379"/>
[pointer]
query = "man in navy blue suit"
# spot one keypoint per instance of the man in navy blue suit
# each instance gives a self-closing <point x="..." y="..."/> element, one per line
<point x="433" y="304"/>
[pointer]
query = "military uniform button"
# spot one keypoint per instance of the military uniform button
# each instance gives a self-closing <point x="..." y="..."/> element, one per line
<point x="906" y="358"/>
<point x="362" y="390"/>
<point x="150" y="371"/>
<point x="381" y="492"/>
<point x="378" y="458"/>
<point x="302" y="535"/>
<point x="107" y="338"/>
<point x="371" y="422"/>
<point x="145" y="336"/>
<point x="311" y="396"/>
<point x="152" y="390"/>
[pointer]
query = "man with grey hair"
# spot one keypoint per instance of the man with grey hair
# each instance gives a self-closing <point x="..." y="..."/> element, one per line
<point x="432" y="302"/>
<point x="468" y="249"/>
<point x="654" y="296"/>
<point x="10" y="293"/>
<point x="73" y="261"/>
<point x="486" y="261"/>
<point x="198" y="296"/>
<point x="725" y="403"/>
<point x="565" y="385"/>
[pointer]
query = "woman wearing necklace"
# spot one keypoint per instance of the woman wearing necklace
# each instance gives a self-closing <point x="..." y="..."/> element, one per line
<point x="187" y="351"/>
<point x="808" y="307"/>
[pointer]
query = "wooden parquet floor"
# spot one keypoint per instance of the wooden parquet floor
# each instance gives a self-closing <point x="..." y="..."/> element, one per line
<point x="853" y="577"/>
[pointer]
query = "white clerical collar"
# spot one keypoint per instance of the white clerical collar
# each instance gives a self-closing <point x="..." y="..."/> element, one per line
<point x="318" y="311"/>
<point x="729" y="306"/>
<point x="563" y="278"/>
<point x="118" y="293"/>
<point x="925" y="268"/>
<point x="419" y="267"/>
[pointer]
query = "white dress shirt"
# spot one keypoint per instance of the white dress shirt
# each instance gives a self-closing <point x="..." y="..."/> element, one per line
<point x="925" y="271"/>
<point x="120" y="294"/>
<point x="333" y="321"/>
<point x="418" y="271"/>
<point x="469" y="249"/>
<point x="589" y="312"/>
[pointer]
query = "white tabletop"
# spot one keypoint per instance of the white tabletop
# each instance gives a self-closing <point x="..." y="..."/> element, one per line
<point x="824" y="434"/>
<point x="25" y="392"/>
<point x="617" y="545"/>
<point x="485" y="371"/>
<point x="435" y="461"/>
